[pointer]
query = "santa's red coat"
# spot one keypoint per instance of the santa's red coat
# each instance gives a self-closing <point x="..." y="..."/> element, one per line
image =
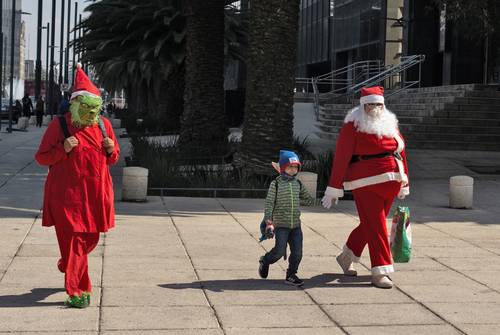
<point x="349" y="176"/>
<point x="78" y="191"/>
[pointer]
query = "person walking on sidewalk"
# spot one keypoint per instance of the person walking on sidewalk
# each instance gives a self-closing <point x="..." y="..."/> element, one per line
<point x="78" y="199"/>
<point x="282" y="216"/>
<point x="370" y="160"/>
<point x="39" y="111"/>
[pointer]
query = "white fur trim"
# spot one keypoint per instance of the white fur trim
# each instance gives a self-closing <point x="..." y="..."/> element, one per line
<point x="334" y="192"/>
<point x="77" y="93"/>
<point x="372" y="180"/>
<point x="371" y="99"/>
<point x="78" y="65"/>
<point x="382" y="270"/>
<point x="385" y="124"/>
<point x="351" y="254"/>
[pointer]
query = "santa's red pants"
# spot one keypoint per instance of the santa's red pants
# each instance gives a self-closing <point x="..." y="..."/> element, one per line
<point x="74" y="248"/>
<point x="374" y="204"/>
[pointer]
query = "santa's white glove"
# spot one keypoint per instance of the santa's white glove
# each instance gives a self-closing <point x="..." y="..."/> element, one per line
<point x="332" y="195"/>
<point x="403" y="192"/>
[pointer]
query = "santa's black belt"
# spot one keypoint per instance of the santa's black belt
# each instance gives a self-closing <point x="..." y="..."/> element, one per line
<point x="357" y="158"/>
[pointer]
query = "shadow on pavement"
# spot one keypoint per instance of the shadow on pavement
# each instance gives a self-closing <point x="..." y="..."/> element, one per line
<point x="32" y="299"/>
<point x="251" y="284"/>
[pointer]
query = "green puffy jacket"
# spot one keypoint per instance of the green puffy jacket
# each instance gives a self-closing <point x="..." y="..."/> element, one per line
<point x="291" y="194"/>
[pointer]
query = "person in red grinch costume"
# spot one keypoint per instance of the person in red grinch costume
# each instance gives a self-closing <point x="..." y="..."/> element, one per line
<point x="78" y="199"/>
<point x="370" y="160"/>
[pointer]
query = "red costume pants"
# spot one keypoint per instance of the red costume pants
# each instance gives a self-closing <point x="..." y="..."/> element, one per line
<point x="74" y="248"/>
<point x="374" y="204"/>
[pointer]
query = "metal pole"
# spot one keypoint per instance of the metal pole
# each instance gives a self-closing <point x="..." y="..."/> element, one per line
<point x="52" y="46"/>
<point x="74" y="39"/>
<point x="47" y="66"/>
<point x="12" y="46"/>
<point x="66" y="62"/>
<point x="61" y="46"/>
<point x="80" y="53"/>
<point x="1" y="55"/>
<point x="38" y="66"/>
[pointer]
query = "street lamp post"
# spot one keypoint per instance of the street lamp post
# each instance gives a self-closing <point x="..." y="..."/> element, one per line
<point x="51" y="71"/>
<point x="38" y="67"/>
<point x="61" y="44"/>
<point x="47" y="65"/>
<point x="66" y="63"/>
<point x="74" y="39"/>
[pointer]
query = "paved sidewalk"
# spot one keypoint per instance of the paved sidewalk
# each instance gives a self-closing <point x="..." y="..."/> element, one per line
<point x="189" y="265"/>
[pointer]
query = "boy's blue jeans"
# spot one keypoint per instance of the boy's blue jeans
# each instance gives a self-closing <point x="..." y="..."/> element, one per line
<point x="283" y="236"/>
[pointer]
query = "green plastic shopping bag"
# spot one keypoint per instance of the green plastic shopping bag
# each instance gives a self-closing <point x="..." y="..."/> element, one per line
<point x="401" y="235"/>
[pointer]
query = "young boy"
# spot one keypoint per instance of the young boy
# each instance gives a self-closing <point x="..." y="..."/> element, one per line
<point x="282" y="215"/>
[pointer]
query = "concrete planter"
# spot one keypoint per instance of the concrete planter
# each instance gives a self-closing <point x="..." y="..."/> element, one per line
<point x="46" y="120"/>
<point x="310" y="182"/>
<point x="134" y="184"/>
<point x="22" y="123"/>
<point x="461" y="191"/>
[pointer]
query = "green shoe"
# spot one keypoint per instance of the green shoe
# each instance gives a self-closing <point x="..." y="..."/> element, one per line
<point x="86" y="296"/>
<point x="76" y="301"/>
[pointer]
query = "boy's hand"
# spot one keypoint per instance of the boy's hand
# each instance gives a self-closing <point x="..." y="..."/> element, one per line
<point x="269" y="229"/>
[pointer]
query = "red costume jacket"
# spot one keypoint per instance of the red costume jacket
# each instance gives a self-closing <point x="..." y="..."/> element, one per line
<point x="349" y="176"/>
<point x="78" y="193"/>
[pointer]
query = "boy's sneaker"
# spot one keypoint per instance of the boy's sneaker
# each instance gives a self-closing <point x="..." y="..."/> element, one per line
<point x="263" y="268"/>
<point x="76" y="301"/>
<point x="294" y="280"/>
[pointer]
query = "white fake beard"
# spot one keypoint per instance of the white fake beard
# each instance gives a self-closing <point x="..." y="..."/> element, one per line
<point x="379" y="121"/>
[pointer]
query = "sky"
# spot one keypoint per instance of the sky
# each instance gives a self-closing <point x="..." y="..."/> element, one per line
<point x="31" y="6"/>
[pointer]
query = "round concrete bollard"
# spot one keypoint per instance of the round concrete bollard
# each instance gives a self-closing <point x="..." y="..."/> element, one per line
<point x="32" y="121"/>
<point x="310" y="182"/>
<point x="117" y="123"/>
<point x="461" y="191"/>
<point x="46" y="120"/>
<point x="134" y="184"/>
<point x="22" y="123"/>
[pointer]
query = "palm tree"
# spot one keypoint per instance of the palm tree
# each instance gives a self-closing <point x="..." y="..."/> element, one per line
<point x="203" y="121"/>
<point x="268" y="123"/>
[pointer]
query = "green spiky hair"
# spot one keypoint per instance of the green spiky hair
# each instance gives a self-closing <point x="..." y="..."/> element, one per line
<point x="85" y="110"/>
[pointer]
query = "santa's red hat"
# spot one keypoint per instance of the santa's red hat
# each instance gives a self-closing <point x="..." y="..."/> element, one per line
<point x="83" y="85"/>
<point x="372" y="95"/>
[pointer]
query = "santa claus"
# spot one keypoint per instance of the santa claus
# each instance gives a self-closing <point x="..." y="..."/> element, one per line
<point x="78" y="147"/>
<point x="370" y="161"/>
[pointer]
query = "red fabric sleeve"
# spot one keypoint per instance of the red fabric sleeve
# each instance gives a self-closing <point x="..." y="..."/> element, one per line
<point x="343" y="155"/>
<point x="403" y="155"/>
<point x="51" y="149"/>
<point x="115" y="155"/>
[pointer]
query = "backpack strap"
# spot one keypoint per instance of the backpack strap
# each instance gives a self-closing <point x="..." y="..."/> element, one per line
<point x="300" y="184"/>
<point x="275" y="194"/>
<point x="103" y="128"/>
<point x="64" y="126"/>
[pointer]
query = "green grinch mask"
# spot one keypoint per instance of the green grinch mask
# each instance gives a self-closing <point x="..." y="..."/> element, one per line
<point x="85" y="110"/>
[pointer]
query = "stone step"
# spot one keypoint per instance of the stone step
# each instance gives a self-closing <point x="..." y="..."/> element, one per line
<point x="473" y="114"/>
<point x="415" y="120"/>
<point x="413" y="143"/>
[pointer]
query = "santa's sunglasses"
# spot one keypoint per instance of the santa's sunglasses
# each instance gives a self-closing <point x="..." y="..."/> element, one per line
<point x="375" y="105"/>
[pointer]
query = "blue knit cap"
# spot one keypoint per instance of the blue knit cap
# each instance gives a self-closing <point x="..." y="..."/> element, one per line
<point x="288" y="158"/>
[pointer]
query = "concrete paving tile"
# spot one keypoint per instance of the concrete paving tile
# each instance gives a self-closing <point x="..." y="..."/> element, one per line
<point x="471" y="292"/>
<point x="49" y="250"/>
<point x="446" y="277"/>
<point x="144" y="271"/>
<point x="214" y="276"/>
<point x="9" y="249"/>
<point x="224" y="263"/>
<point x="159" y="249"/>
<point x="295" y="316"/>
<point x="354" y="293"/>
<point x="4" y="262"/>
<point x="50" y="319"/>
<point x="155" y="296"/>
<point x="263" y="294"/>
<point x="419" y="264"/>
<point x="18" y="296"/>
<point x="381" y="314"/>
<point x="151" y="318"/>
<point x="165" y="332"/>
<point x="285" y="331"/>
<point x="479" y="329"/>
<point x="37" y="271"/>
<point x="472" y="312"/>
<point x="488" y="278"/>
<point x="405" y="329"/>
<point x="474" y="264"/>
<point x="439" y="251"/>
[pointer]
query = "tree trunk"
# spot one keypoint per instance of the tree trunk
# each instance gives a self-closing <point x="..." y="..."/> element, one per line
<point x="203" y="121"/>
<point x="268" y="124"/>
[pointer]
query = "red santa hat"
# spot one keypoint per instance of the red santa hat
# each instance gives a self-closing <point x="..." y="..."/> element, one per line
<point x="83" y="85"/>
<point x="372" y="95"/>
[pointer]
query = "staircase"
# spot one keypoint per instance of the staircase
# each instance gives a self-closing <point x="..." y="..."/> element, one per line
<point x="459" y="117"/>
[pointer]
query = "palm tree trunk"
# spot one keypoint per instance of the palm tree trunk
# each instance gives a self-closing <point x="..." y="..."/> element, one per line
<point x="203" y="121"/>
<point x="268" y="124"/>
